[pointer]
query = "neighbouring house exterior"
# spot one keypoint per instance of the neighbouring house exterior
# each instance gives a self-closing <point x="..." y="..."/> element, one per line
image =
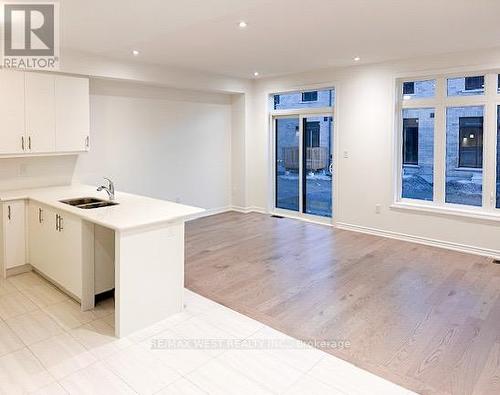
<point x="317" y="130"/>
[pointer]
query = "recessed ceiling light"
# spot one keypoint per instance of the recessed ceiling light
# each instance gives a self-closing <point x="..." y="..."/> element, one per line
<point x="357" y="59"/>
<point x="242" y="24"/>
<point x="256" y="74"/>
<point x="135" y="52"/>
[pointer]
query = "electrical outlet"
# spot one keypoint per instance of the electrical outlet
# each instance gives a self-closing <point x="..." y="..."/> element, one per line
<point x="377" y="209"/>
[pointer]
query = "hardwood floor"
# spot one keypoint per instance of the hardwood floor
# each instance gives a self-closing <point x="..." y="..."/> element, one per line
<point x="425" y="318"/>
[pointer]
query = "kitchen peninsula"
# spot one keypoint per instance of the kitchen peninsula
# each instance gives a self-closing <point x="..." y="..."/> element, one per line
<point x="65" y="244"/>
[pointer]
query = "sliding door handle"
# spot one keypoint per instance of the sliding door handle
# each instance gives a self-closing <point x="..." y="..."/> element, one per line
<point x="57" y="222"/>
<point x="29" y="143"/>
<point x="9" y="216"/>
<point x="22" y="142"/>
<point x="40" y="218"/>
<point x="60" y="223"/>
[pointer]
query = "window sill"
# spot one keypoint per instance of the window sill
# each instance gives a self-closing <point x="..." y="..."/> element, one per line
<point x="471" y="213"/>
<point x="408" y="166"/>
<point x="469" y="169"/>
<point x="478" y="90"/>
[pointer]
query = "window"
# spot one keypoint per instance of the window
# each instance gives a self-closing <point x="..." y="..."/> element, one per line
<point x="300" y="100"/>
<point x="310" y="96"/>
<point x="312" y="133"/>
<point x="302" y="129"/>
<point x="408" y="88"/>
<point x="419" y="89"/>
<point x="473" y="83"/>
<point x="418" y="154"/>
<point x="464" y="155"/>
<point x="466" y="86"/>
<point x="453" y="130"/>
<point x="471" y="142"/>
<point x="410" y="141"/>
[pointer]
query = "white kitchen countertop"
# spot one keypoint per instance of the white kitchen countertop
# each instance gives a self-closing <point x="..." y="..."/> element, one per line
<point x="133" y="211"/>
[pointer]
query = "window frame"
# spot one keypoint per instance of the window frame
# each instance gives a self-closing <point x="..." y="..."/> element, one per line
<point x="440" y="102"/>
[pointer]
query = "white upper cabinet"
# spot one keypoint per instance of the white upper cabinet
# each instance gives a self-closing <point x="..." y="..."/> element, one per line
<point x="43" y="113"/>
<point x="72" y="114"/>
<point x="40" y="113"/>
<point x="12" y="127"/>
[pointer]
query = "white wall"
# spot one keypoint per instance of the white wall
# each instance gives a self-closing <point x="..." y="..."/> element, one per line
<point x="164" y="143"/>
<point x="364" y="122"/>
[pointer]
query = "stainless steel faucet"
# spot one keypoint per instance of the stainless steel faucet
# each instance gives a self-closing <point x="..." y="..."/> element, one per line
<point x="110" y="189"/>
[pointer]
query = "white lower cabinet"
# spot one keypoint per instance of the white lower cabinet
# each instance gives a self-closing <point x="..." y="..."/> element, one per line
<point x="12" y="235"/>
<point x="55" y="246"/>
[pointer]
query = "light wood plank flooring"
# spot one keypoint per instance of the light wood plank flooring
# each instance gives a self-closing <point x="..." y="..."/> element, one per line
<point x="423" y="317"/>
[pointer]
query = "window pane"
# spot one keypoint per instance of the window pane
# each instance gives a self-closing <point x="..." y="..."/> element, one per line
<point x="419" y="89"/>
<point x="418" y="154"/>
<point x="466" y="86"/>
<point x="306" y="99"/>
<point x="464" y="155"/>
<point x="318" y="157"/>
<point x="498" y="157"/>
<point x="287" y="163"/>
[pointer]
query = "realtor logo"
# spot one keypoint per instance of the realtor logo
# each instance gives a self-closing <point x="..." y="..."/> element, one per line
<point x="30" y="35"/>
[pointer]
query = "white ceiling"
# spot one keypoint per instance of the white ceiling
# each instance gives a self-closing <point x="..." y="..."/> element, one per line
<point x="282" y="36"/>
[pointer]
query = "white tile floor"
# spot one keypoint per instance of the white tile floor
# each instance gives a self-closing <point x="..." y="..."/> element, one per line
<point x="48" y="346"/>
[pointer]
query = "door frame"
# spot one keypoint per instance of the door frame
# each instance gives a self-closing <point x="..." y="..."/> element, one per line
<point x="302" y="114"/>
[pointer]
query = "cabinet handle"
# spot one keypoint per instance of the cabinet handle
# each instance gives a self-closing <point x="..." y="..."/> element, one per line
<point x="9" y="213"/>
<point x="57" y="222"/>
<point x="29" y="143"/>
<point x="87" y="141"/>
<point x="22" y="142"/>
<point x="60" y="223"/>
<point x="40" y="219"/>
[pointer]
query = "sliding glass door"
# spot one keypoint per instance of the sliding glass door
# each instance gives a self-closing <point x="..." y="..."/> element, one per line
<point x="303" y="152"/>
<point x="318" y="165"/>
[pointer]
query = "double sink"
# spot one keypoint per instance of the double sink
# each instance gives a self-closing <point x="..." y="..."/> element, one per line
<point x="87" y="203"/>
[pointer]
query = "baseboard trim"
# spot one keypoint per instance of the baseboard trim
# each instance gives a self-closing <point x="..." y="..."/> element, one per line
<point x="14" y="271"/>
<point x="250" y="209"/>
<point x="209" y="212"/>
<point x="421" y="240"/>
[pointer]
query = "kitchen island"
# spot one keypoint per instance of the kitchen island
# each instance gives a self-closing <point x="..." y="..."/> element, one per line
<point x="148" y="248"/>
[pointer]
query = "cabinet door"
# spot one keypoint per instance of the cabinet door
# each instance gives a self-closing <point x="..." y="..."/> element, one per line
<point x="41" y="225"/>
<point x="40" y="113"/>
<point x="14" y="233"/>
<point x="69" y="254"/>
<point x="12" y="127"/>
<point x="72" y="113"/>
